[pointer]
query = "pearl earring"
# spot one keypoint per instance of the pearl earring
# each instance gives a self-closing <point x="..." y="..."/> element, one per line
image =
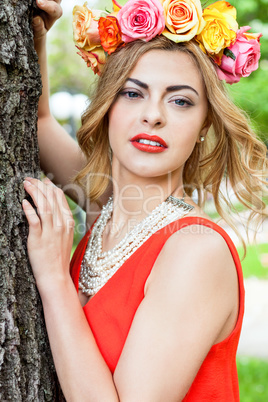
<point x="202" y="139"/>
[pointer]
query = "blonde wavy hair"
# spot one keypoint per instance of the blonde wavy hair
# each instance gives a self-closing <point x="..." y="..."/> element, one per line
<point x="231" y="149"/>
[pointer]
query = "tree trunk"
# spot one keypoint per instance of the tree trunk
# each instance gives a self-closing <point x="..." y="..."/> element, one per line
<point x="26" y="366"/>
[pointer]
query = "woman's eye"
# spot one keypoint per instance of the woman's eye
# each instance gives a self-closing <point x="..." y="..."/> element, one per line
<point x="182" y="102"/>
<point x="130" y="94"/>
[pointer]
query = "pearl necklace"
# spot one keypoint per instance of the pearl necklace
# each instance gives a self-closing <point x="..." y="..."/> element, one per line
<point x="99" y="266"/>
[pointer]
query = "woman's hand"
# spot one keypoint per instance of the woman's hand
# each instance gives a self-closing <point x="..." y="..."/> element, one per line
<point x="50" y="231"/>
<point x="50" y="12"/>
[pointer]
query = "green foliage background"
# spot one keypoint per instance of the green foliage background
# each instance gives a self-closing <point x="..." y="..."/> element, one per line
<point x="252" y="375"/>
<point x="69" y="72"/>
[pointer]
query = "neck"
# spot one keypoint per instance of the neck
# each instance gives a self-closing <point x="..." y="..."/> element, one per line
<point x="133" y="202"/>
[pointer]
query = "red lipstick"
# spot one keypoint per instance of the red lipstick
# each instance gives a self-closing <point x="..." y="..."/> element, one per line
<point x="160" y="145"/>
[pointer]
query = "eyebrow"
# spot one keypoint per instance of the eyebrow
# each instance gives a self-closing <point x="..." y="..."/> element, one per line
<point x="139" y="83"/>
<point x="179" y="87"/>
<point x="168" y="89"/>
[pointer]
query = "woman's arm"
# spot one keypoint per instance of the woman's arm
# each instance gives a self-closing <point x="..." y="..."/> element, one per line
<point x="83" y="374"/>
<point x="60" y="154"/>
<point x="190" y="303"/>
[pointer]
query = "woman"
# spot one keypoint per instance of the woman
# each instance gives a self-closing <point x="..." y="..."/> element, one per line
<point x="162" y="306"/>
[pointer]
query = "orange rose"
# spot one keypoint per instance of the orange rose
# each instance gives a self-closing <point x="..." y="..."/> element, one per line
<point x="183" y="19"/>
<point x="94" y="59"/>
<point x="110" y="34"/>
<point x="85" y="27"/>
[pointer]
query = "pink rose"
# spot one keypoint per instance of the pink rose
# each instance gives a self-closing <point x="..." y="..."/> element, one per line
<point x="246" y="50"/>
<point x="94" y="59"/>
<point x="141" y="19"/>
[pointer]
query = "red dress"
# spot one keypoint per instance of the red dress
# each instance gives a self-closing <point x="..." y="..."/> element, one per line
<point x="111" y="310"/>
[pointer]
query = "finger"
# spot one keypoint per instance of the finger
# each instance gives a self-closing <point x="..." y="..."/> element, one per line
<point x="38" y="23"/>
<point x="39" y="27"/>
<point x="45" y="190"/>
<point x="60" y="210"/>
<point x="32" y="187"/>
<point x="52" y="8"/>
<point x="56" y="206"/>
<point x="32" y="218"/>
<point x="63" y="214"/>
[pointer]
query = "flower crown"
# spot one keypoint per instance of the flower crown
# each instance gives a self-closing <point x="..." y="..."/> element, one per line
<point x="235" y="52"/>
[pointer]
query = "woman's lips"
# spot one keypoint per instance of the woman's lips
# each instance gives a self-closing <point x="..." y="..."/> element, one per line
<point x="148" y="143"/>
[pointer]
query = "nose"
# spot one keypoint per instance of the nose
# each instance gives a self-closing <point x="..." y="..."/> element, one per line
<point x="153" y="114"/>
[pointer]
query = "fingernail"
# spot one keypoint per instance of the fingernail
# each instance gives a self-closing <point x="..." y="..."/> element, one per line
<point x="27" y="183"/>
<point x="36" y="21"/>
<point x="25" y="202"/>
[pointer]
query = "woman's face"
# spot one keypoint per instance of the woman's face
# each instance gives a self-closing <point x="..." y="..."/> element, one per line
<point x="158" y="116"/>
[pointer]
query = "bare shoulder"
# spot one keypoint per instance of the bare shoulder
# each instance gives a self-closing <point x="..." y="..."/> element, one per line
<point x="198" y="237"/>
<point x="196" y="254"/>
<point x="197" y="243"/>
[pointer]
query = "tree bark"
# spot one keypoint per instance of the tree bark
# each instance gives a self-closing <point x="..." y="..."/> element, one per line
<point x="26" y="366"/>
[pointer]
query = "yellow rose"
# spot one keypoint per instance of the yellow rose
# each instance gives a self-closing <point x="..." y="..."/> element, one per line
<point x="116" y="7"/>
<point x="85" y="27"/>
<point x="183" y="19"/>
<point x="220" y="30"/>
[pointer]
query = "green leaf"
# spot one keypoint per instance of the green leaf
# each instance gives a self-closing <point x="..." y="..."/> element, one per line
<point x="229" y="53"/>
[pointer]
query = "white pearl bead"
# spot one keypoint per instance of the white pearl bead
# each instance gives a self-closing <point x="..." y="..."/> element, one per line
<point x="98" y="267"/>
